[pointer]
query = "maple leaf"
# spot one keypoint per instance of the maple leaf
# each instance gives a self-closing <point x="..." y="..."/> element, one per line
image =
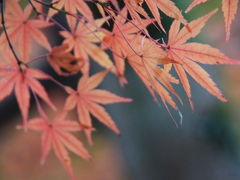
<point x="101" y="5"/>
<point x="38" y="9"/>
<point x="83" y="42"/>
<point x="166" y="6"/>
<point x="119" y="40"/>
<point x="193" y="4"/>
<point x="185" y="56"/>
<point x="23" y="30"/>
<point x="87" y="99"/>
<point x="229" y="8"/>
<point x="22" y="80"/>
<point x="135" y="10"/>
<point x="56" y="135"/>
<point x="145" y="61"/>
<point x="72" y="6"/>
<point x="60" y="59"/>
<point x="12" y="5"/>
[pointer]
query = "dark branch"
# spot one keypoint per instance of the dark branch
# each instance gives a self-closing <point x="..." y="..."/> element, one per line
<point x="34" y="8"/>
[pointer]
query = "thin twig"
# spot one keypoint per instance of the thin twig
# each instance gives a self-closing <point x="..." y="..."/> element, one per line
<point x="38" y="57"/>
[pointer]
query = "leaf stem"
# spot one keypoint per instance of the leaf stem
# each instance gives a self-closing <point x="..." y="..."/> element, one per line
<point x="39" y="107"/>
<point x="38" y="57"/>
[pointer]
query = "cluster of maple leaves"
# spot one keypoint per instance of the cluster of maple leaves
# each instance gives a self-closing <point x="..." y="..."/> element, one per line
<point x="86" y="39"/>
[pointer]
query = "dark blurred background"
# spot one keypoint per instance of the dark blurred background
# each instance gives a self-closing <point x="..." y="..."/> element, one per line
<point x="150" y="147"/>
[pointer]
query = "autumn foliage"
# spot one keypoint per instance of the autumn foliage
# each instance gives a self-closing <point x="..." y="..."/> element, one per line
<point x="118" y="37"/>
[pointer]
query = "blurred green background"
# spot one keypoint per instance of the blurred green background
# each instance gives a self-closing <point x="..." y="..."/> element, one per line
<point x="150" y="147"/>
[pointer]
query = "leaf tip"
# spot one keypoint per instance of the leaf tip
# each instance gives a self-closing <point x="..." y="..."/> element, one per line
<point x="127" y="100"/>
<point x="69" y="90"/>
<point x="19" y="127"/>
<point x="223" y="99"/>
<point x="116" y="130"/>
<point x="191" y="104"/>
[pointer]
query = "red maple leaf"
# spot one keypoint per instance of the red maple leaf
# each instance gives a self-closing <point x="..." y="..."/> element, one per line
<point x="229" y="9"/>
<point x="145" y="60"/>
<point x="22" y="30"/>
<point x="21" y="79"/>
<point x="87" y="100"/>
<point x="57" y="135"/>
<point x="72" y="6"/>
<point x="119" y="40"/>
<point x="63" y="62"/>
<point x="83" y="41"/>
<point x="185" y="56"/>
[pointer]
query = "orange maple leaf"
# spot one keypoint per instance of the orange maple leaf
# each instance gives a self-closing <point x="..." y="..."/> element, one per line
<point x="119" y="40"/>
<point x="12" y="5"/>
<point x="83" y="42"/>
<point x="145" y="61"/>
<point x="60" y="59"/>
<point x="193" y="4"/>
<point x="57" y="135"/>
<point x="72" y="6"/>
<point x="23" y="30"/>
<point x="87" y="100"/>
<point x="168" y="7"/>
<point x="229" y="8"/>
<point x="135" y="10"/>
<point x="185" y="55"/>
<point x="22" y="80"/>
